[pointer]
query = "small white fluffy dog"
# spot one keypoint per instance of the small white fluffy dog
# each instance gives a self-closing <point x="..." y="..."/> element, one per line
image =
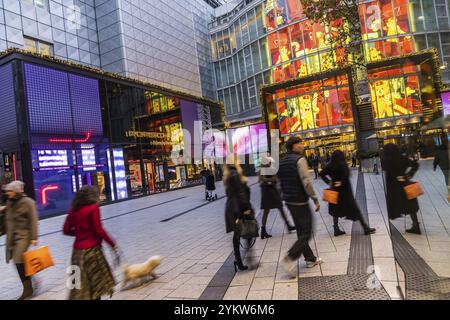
<point x="136" y="273"/>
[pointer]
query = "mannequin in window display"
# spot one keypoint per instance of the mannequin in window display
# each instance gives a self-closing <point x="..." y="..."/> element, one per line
<point x="308" y="109"/>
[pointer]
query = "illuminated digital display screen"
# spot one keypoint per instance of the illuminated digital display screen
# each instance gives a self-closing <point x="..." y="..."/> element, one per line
<point x="88" y="156"/>
<point x="52" y="158"/>
<point x="119" y="169"/>
<point x="446" y="103"/>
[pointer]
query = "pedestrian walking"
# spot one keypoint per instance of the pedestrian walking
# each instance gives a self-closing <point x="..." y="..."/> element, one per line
<point x="354" y="159"/>
<point x="297" y="189"/>
<point x="441" y="159"/>
<point x="315" y="164"/>
<point x="337" y="176"/>
<point x="270" y="199"/>
<point x="83" y="222"/>
<point x="399" y="170"/>
<point x="210" y="182"/>
<point x="203" y="175"/>
<point x="21" y="226"/>
<point x="237" y="207"/>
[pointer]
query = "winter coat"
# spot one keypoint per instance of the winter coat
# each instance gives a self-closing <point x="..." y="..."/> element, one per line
<point x="270" y="196"/>
<point x="210" y="182"/>
<point x="238" y="200"/>
<point x="441" y="158"/>
<point x="347" y="206"/>
<point x="21" y="227"/>
<point x="396" y="200"/>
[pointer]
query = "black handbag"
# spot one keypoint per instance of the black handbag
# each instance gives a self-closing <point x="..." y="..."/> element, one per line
<point x="248" y="228"/>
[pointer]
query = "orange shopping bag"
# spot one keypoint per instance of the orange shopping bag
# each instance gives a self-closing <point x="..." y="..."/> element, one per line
<point x="37" y="260"/>
<point x="330" y="196"/>
<point x="413" y="190"/>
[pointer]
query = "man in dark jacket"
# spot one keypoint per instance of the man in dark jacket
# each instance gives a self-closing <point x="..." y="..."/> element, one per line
<point x="441" y="159"/>
<point x="297" y="189"/>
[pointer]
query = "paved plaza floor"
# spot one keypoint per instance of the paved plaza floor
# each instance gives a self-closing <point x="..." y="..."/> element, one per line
<point x="198" y="261"/>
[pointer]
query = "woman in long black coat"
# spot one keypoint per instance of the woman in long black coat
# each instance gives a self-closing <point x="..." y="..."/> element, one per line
<point x="398" y="176"/>
<point x="347" y="207"/>
<point x="270" y="199"/>
<point x="237" y="207"/>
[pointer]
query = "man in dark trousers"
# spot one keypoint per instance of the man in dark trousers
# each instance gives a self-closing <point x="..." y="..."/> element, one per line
<point x="297" y="189"/>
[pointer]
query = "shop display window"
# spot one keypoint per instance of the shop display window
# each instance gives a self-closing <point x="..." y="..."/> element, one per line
<point x="283" y="116"/>
<point x="313" y="105"/>
<point x="294" y="10"/>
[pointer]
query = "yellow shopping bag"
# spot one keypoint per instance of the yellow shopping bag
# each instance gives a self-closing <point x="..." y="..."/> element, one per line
<point x="37" y="260"/>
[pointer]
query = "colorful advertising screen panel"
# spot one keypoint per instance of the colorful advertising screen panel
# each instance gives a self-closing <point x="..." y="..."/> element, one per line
<point x="314" y="105"/>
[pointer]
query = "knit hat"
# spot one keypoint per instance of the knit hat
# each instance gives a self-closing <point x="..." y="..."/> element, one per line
<point x="15" y="186"/>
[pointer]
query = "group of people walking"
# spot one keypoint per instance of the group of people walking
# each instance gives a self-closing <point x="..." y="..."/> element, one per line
<point x="19" y="221"/>
<point x="297" y="190"/>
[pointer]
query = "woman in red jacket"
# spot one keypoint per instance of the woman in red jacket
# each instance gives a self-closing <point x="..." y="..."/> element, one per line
<point x="83" y="222"/>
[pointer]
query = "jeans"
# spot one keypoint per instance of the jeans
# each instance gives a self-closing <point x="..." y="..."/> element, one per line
<point x="303" y="220"/>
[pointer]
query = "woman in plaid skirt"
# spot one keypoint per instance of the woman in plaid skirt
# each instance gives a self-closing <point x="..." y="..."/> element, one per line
<point x="83" y="222"/>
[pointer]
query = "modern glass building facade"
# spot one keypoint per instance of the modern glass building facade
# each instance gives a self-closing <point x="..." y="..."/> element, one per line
<point x="269" y="41"/>
<point x="165" y="42"/>
<point x="69" y="126"/>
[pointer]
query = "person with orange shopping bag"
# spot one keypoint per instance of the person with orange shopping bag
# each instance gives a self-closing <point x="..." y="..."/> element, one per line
<point x="21" y="230"/>
<point x="345" y="206"/>
<point x="84" y="223"/>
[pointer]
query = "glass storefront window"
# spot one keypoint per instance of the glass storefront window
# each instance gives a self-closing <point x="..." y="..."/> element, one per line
<point x="264" y="49"/>
<point x="294" y="10"/>
<point x="256" y="57"/>
<point x="260" y="20"/>
<point x="429" y="14"/>
<point x="237" y="30"/>
<point x="416" y="16"/>
<point x="252" y="26"/>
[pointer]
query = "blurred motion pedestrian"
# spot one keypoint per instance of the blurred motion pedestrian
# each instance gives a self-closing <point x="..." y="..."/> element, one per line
<point x="237" y="207"/>
<point x="21" y="230"/>
<point x="210" y="182"/>
<point x="346" y="207"/>
<point x="297" y="189"/>
<point x="315" y="160"/>
<point x="399" y="170"/>
<point x="441" y="159"/>
<point x="354" y="159"/>
<point x="270" y="199"/>
<point x="83" y="222"/>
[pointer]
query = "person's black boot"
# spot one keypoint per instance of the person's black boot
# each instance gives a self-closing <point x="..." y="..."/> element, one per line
<point x="415" y="229"/>
<point x="368" y="231"/>
<point x="338" y="232"/>
<point x="264" y="233"/>
<point x="291" y="228"/>
<point x="27" y="290"/>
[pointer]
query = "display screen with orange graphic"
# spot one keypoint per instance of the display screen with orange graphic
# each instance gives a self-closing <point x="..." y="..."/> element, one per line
<point x="314" y="105"/>
<point x="395" y="92"/>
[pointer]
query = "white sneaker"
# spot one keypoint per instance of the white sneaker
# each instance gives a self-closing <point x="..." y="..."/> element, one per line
<point x="289" y="266"/>
<point x="311" y="264"/>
